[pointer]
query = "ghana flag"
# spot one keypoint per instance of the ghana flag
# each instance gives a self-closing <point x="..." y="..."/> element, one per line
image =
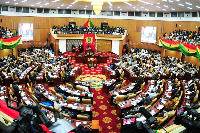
<point x="88" y="24"/>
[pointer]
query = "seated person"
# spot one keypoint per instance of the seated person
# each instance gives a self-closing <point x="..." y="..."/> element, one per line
<point x="169" y="105"/>
<point x="81" y="129"/>
<point x="192" y="95"/>
<point x="147" y="99"/>
<point x="152" y="94"/>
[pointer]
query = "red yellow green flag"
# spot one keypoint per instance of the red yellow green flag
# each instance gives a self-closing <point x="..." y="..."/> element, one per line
<point x="88" y="24"/>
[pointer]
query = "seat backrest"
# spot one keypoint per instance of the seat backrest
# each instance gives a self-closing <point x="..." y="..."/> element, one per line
<point x="83" y="117"/>
<point x="72" y="99"/>
<point x="131" y="95"/>
<point x="86" y="101"/>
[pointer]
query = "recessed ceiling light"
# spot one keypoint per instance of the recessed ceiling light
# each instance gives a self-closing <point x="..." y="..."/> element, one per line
<point x="67" y="7"/>
<point x="16" y="3"/>
<point x="137" y="9"/>
<point x="70" y="5"/>
<point x="146" y="9"/>
<point x="180" y="4"/>
<point x="38" y="2"/>
<point x="157" y="6"/>
<point x="7" y="2"/>
<point x="84" y="8"/>
<point x="32" y="5"/>
<point x="133" y="7"/>
<point x="158" y="3"/>
<point x="177" y="0"/>
<point x="198" y="6"/>
<point x="164" y="9"/>
<point x="188" y="3"/>
<point x="40" y="6"/>
<point x="62" y="5"/>
<point x="120" y="9"/>
<point x="58" y="7"/>
<point x="166" y="6"/>
<point x="142" y="7"/>
<point x="171" y="1"/>
<point x="189" y="7"/>
<point x="46" y="4"/>
<point x="14" y="0"/>
<point x="173" y="9"/>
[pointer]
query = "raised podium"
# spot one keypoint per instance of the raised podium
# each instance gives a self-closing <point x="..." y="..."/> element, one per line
<point x="92" y="62"/>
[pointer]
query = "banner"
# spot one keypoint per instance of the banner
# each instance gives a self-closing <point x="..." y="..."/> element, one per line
<point x="198" y="52"/>
<point x="186" y="49"/>
<point x="9" y="43"/>
<point x="89" y="41"/>
<point x="1" y="43"/>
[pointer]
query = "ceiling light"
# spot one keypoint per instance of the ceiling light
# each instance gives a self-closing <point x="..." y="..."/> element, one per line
<point x="158" y="3"/>
<point x="146" y="9"/>
<point x="171" y="1"/>
<point x="16" y="3"/>
<point x="84" y="8"/>
<point x="120" y="9"/>
<point x="188" y="3"/>
<point x="157" y="6"/>
<point x="166" y="6"/>
<point x="189" y="7"/>
<point x="46" y="4"/>
<point x="62" y="5"/>
<point x="40" y="6"/>
<point x="164" y="9"/>
<point x="58" y="7"/>
<point x="180" y="4"/>
<point x="38" y="2"/>
<point x="173" y="9"/>
<point x="198" y="6"/>
<point x="7" y="2"/>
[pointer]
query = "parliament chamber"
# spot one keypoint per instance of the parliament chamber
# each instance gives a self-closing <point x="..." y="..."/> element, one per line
<point x="98" y="74"/>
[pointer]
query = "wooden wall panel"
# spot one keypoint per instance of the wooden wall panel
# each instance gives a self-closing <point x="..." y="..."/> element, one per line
<point x="192" y="59"/>
<point x="175" y="54"/>
<point x="5" y="52"/>
<point x="104" y="45"/>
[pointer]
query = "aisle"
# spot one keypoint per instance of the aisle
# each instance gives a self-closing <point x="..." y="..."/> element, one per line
<point x="102" y="110"/>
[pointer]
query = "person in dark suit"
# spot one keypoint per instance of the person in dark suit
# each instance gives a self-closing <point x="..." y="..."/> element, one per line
<point x="16" y="93"/>
<point x="82" y="129"/>
<point x="81" y="48"/>
<point x="147" y="100"/>
<point x="192" y="95"/>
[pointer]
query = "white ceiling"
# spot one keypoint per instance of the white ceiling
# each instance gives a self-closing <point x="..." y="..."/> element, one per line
<point x="140" y="5"/>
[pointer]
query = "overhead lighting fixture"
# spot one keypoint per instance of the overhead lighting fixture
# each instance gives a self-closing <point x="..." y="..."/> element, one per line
<point x="7" y="2"/>
<point x="98" y="4"/>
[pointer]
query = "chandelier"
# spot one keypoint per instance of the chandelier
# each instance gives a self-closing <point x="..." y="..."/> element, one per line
<point x="97" y="4"/>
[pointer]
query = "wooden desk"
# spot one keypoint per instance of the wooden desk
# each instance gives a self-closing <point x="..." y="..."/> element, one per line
<point x="92" y="62"/>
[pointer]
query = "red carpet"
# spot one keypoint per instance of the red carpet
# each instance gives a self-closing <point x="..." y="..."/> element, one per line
<point x="102" y="110"/>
